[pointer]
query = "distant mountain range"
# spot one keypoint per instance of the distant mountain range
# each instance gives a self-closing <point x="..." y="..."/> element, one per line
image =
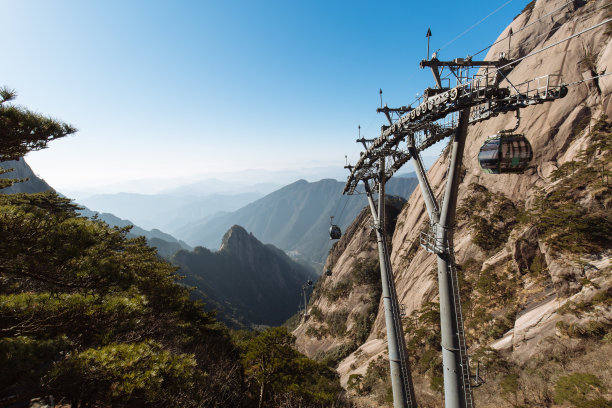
<point x="166" y="244"/>
<point x="248" y="282"/>
<point x="295" y="218"/>
<point x="168" y="211"/>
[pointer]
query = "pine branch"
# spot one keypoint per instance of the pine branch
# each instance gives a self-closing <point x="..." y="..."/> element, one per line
<point x="7" y="94"/>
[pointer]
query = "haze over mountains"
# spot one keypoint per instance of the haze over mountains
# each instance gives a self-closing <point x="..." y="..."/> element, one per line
<point x="168" y="211"/>
<point x="295" y="218"/>
<point x="165" y="243"/>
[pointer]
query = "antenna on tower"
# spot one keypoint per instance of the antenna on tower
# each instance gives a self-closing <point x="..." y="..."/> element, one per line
<point x="347" y="165"/>
<point x="428" y="35"/>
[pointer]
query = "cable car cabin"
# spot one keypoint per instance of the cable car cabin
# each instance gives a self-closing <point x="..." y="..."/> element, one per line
<point x="505" y="153"/>
<point x="334" y="232"/>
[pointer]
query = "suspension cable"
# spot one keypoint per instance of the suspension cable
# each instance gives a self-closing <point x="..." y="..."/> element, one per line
<point x="588" y="79"/>
<point x="343" y="208"/>
<point x="532" y="39"/>
<point x="555" y="44"/>
<point x="474" y="25"/>
<point x="528" y="25"/>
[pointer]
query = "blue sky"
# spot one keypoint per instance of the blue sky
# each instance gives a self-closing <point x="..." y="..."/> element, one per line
<point x="188" y="89"/>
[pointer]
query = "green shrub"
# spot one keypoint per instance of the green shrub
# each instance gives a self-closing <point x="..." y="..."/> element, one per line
<point x="354" y="383"/>
<point x="332" y="357"/>
<point x="336" y="322"/>
<point x="317" y="313"/>
<point x="510" y="387"/>
<point x="591" y="329"/>
<point x="366" y="272"/>
<point x="581" y="390"/>
<point x="362" y="324"/>
<point x="491" y="217"/>
<point x="339" y="291"/>
<point x="377" y="379"/>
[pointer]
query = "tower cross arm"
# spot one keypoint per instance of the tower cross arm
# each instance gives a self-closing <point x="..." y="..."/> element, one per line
<point x="462" y="62"/>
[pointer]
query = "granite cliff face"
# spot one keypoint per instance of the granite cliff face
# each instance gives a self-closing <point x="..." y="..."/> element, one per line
<point x="345" y="301"/>
<point x="535" y="296"/>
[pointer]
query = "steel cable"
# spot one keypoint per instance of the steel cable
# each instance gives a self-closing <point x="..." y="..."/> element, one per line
<point x="531" y="54"/>
<point x="588" y="79"/>
<point x="474" y="25"/>
<point x="528" y="25"/>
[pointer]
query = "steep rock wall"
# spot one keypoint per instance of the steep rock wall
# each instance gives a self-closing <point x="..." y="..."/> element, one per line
<point x="558" y="132"/>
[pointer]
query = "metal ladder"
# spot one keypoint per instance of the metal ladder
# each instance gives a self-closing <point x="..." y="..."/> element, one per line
<point x="465" y="358"/>
<point x="431" y="243"/>
<point x="405" y="372"/>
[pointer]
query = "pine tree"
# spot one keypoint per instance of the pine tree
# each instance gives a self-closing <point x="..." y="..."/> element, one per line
<point x="22" y="131"/>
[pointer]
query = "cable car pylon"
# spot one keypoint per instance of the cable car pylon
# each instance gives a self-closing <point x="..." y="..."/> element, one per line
<point x="443" y="112"/>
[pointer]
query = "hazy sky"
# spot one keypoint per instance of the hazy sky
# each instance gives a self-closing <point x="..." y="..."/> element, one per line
<point x="173" y="89"/>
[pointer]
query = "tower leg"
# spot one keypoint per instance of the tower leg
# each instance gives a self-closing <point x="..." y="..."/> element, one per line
<point x="401" y="380"/>
<point x="457" y="392"/>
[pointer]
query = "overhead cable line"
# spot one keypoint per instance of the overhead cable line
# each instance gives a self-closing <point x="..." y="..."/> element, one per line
<point x="558" y="27"/>
<point x="588" y="79"/>
<point x="474" y="25"/>
<point x="343" y="208"/>
<point x="555" y="44"/>
<point x="528" y="25"/>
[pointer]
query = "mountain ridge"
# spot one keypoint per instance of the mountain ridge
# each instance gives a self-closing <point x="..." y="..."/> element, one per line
<point x="250" y="283"/>
<point x="294" y="218"/>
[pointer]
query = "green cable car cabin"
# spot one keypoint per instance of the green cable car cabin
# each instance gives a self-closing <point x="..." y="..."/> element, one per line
<point x="505" y="154"/>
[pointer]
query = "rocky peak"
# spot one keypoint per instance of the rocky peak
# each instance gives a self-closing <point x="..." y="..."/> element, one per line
<point x="237" y="239"/>
<point x="22" y="171"/>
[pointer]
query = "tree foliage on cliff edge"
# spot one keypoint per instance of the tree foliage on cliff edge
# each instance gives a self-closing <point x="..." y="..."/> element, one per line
<point x="280" y="375"/>
<point x="563" y="220"/>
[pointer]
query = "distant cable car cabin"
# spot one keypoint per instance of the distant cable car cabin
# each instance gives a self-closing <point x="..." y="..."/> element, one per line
<point x="334" y="230"/>
<point x="505" y="153"/>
